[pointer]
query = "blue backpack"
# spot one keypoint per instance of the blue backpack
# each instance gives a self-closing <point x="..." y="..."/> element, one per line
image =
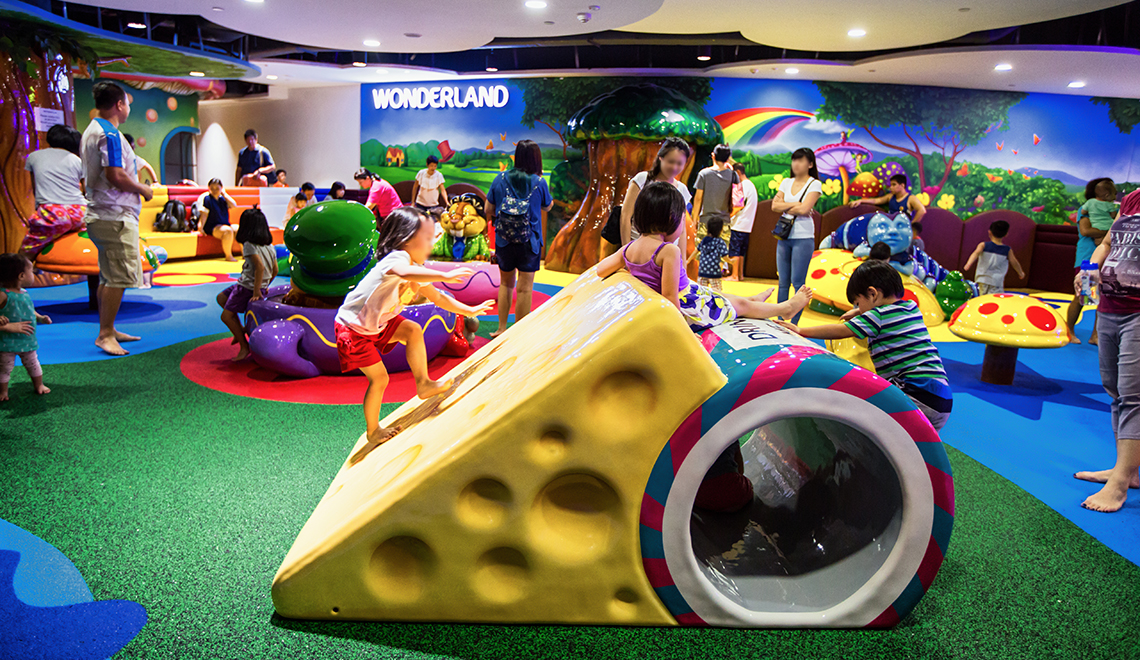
<point x="513" y="216"/>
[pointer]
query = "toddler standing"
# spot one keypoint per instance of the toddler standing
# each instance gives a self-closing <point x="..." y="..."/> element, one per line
<point x="712" y="249"/>
<point x="18" y="318"/>
<point x="994" y="259"/>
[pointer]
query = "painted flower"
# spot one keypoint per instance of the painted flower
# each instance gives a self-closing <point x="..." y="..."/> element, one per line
<point x="924" y="198"/>
<point x="832" y="187"/>
<point x="775" y="182"/>
<point x="946" y="202"/>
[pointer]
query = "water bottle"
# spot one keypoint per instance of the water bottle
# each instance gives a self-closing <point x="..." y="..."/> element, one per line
<point x="1088" y="286"/>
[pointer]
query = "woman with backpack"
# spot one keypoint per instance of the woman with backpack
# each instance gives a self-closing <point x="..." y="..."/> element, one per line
<point x="214" y="215"/>
<point x="515" y="206"/>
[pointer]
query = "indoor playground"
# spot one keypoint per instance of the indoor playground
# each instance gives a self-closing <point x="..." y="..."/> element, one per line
<point x="750" y="331"/>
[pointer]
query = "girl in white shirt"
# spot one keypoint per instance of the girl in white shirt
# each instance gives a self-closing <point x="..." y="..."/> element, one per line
<point x="797" y="197"/>
<point x="368" y="324"/>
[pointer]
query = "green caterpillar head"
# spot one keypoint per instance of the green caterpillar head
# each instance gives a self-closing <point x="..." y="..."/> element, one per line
<point x="952" y="292"/>
<point x="333" y="246"/>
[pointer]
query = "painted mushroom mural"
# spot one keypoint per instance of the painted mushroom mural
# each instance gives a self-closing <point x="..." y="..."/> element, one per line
<point x="841" y="160"/>
<point x="622" y="131"/>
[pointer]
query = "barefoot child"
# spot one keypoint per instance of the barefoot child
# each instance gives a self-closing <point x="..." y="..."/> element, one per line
<point x="899" y="342"/>
<point x="368" y="324"/>
<point x="656" y="261"/>
<point x="18" y="323"/>
<point x="258" y="270"/>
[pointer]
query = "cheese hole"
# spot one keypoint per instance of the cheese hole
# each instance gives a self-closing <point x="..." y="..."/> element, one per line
<point x="502" y="575"/>
<point x="400" y="567"/>
<point x="624" y="604"/>
<point x="549" y="448"/>
<point x="483" y="504"/>
<point x="620" y="402"/>
<point x="576" y="518"/>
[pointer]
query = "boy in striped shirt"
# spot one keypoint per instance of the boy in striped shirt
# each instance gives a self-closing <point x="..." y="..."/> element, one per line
<point x="896" y="336"/>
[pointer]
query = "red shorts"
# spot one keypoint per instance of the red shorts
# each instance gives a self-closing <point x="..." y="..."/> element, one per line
<point x="356" y="350"/>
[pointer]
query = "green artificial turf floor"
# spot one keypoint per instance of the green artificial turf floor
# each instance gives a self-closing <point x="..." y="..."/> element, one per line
<point x="186" y="500"/>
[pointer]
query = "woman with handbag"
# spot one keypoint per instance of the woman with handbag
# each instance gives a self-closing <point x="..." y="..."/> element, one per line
<point x="516" y="204"/>
<point x="795" y="230"/>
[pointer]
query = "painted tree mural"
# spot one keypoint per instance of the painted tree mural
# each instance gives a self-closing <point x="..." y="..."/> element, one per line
<point x="551" y="101"/>
<point x="948" y="119"/>
<point x="1125" y="113"/>
<point x="622" y="131"/>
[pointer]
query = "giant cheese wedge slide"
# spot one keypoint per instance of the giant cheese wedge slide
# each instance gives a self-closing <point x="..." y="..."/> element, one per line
<point x="555" y="482"/>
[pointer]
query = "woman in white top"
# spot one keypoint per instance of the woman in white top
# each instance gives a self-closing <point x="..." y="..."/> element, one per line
<point x="797" y="197"/>
<point x="670" y="163"/>
<point x="57" y="179"/>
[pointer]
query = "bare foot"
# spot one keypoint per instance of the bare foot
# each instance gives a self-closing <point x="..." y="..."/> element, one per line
<point x="1092" y="341"/>
<point x="1101" y="477"/>
<point x="1108" y="499"/>
<point x="110" y="346"/>
<point x="430" y="388"/>
<point x="732" y="279"/>
<point x="122" y="336"/>
<point x="761" y="297"/>
<point x="42" y="389"/>
<point x="1075" y="340"/>
<point x="498" y="332"/>
<point x="243" y="354"/>
<point x="375" y="439"/>
<point x="4" y="394"/>
<point x="800" y="300"/>
<point x="231" y="258"/>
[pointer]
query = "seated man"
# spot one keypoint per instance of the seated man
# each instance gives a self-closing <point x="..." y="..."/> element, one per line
<point x="254" y="163"/>
<point x="898" y="199"/>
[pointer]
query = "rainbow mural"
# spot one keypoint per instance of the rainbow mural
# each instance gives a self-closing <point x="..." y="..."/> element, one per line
<point x="743" y="126"/>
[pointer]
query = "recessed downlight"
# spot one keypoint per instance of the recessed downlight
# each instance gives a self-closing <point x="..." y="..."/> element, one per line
<point x="857" y="32"/>
<point x="1077" y="84"/>
<point x="359" y="64"/>
<point x="791" y="71"/>
<point x="271" y="77"/>
<point x="137" y="26"/>
<point x="1003" y="67"/>
<point x="535" y="4"/>
<point x="491" y="69"/>
<point x="197" y="74"/>
<point x="371" y="43"/>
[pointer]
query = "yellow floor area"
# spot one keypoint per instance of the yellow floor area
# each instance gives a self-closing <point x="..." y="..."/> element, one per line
<point x="195" y="271"/>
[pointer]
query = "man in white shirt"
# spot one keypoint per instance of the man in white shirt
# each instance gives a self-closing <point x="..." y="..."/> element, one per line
<point x="742" y="219"/>
<point x="113" y="191"/>
<point x="429" y="191"/>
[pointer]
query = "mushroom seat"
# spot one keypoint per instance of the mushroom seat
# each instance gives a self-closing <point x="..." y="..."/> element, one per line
<point x="1011" y="320"/>
<point x="831" y="269"/>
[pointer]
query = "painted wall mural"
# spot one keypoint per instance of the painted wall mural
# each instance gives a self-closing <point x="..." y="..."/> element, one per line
<point x="965" y="151"/>
<point x="155" y="115"/>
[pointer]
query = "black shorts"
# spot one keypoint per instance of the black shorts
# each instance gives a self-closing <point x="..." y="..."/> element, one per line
<point x="738" y="243"/>
<point x="518" y="256"/>
<point x="612" y="231"/>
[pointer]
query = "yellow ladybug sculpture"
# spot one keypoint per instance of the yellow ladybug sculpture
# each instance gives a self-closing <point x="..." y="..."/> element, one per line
<point x="464" y="236"/>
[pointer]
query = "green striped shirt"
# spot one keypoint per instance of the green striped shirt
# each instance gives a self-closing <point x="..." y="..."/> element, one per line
<point x="899" y="342"/>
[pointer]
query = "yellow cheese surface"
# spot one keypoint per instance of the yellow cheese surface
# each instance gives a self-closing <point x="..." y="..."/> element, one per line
<point x="515" y="495"/>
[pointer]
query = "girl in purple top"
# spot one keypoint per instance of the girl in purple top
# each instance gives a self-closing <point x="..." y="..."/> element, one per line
<point x="656" y="261"/>
<point x="1118" y="324"/>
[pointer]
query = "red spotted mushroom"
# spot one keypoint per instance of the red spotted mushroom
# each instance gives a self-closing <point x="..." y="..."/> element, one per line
<point x="1006" y="322"/>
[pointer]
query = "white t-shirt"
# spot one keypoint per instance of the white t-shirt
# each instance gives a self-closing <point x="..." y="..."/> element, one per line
<point x="104" y="146"/>
<point x="376" y="300"/>
<point x="804" y="226"/>
<point x="639" y="180"/>
<point x="57" y="172"/>
<point x="429" y="187"/>
<point x="742" y="222"/>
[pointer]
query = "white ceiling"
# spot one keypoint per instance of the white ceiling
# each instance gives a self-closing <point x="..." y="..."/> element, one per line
<point x="822" y="25"/>
<point x="445" y="25"/>
<point x="455" y="25"/>
<point x="1105" y="71"/>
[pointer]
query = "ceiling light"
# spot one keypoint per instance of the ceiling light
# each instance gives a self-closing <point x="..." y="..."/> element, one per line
<point x="371" y="43"/>
<point x="257" y="1"/>
<point x="271" y="77"/>
<point x="1077" y="84"/>
<point x="137" y="26"/>
<point x="535" y="4"/>
<point x="857" y="33"/>
<point x="791" y="71"/>
<point x="359" y="64"/>
<point x="491" y="69"/>
<point x="1003" y="67"/>
<point x="704" y="53"/>
<point x="197" y="74"/>
<point x="218" y="9"/>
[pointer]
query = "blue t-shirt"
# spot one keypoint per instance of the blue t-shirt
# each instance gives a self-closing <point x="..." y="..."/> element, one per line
<point x="539" y="199"/>
<point x="249" y="161"/>
<point x="219" y="212"/>
<point x="712" y="250"/>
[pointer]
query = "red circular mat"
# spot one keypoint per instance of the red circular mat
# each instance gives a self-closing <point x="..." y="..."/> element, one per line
<point x="209" y="365"/>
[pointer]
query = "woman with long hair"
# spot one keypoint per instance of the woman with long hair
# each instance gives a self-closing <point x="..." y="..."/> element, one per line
<point x="796" y="200"/>
<point x="671" y="159"/>
<point x="516" y="204"/>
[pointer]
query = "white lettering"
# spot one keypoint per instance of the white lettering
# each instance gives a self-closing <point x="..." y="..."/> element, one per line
<point x="418" y="98"/>
<point x="487" y="97"/>
<point x="501" y="93"/>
